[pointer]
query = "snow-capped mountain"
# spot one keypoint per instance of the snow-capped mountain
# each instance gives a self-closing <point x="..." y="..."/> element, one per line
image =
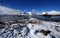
<point x="51" y="13"/>
<point x="54" y="12"/>
<point x="9" y="11"/>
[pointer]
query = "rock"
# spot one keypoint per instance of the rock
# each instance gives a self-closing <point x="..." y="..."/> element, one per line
<point x="45" y="32"/>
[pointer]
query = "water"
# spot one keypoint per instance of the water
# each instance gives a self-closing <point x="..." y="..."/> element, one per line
<point x="17" y="17"/>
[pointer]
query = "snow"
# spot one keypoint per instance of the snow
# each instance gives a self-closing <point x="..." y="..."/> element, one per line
<point x="43" y="13"/>
<point x="30" y="30"/>
<point x="54" y="12"/>
<point x="9" y="11"/>
<point x="30" y="13"/>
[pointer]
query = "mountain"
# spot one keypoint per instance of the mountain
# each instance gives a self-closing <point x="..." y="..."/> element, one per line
<point x="9" y="11"/>
<point x="51" y="13"/>
<point x="29" y="30"/>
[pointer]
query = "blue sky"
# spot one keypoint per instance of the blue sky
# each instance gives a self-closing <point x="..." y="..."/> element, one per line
<point x="39" y="5"/>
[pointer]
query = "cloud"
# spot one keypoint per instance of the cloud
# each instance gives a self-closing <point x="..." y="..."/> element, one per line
<point x="10" y="11"/>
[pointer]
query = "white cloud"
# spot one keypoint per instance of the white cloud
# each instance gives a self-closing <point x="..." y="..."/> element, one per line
<point x="10" y="11"/>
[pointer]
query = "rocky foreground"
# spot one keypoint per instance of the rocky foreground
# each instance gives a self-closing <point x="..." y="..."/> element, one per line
<point x="30" y="28"/>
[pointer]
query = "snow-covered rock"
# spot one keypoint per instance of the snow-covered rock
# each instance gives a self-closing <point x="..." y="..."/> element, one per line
<point x="29" y="30"/>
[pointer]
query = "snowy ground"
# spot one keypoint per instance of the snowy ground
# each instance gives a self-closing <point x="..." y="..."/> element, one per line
<point x="29" y="30"/>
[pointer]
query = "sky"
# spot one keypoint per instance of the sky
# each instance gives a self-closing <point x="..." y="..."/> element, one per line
<point x="28" y="5"/>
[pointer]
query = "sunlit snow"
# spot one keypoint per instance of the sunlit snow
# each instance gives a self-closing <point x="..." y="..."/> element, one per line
<point x="37" y="29"/>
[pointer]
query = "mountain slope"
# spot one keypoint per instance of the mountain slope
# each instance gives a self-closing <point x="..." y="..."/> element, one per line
<point x="28" y="30"/>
